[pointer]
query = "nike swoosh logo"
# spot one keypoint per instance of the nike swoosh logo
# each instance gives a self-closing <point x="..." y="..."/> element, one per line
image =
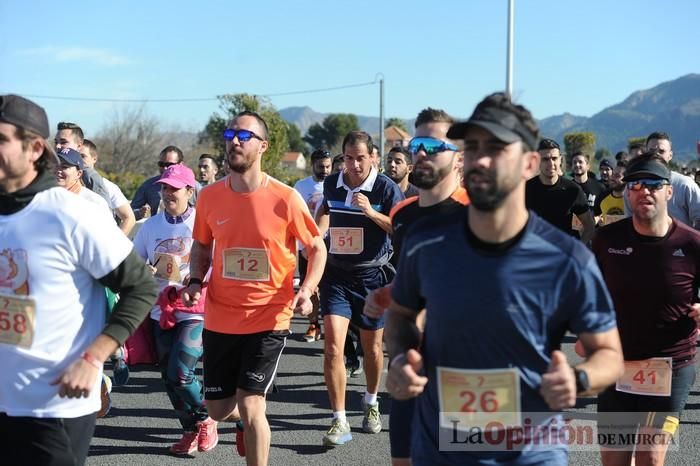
<point x="221" y="222"/>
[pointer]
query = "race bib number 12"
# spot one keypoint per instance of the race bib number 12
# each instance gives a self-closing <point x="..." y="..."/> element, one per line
<point x="246" y="264"/>
<point x="17" y="317"/>
<point x="476" y="398"/>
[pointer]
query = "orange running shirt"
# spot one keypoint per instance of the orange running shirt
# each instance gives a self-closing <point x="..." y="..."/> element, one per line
<point x="254" y="254"/>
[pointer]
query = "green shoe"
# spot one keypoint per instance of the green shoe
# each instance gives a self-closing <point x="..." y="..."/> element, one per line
<point x="338" y="434"/>
<point x="372" y="422"/>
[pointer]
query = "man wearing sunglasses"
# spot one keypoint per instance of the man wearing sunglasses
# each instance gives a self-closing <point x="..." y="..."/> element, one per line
<point x="685" y="203"/>
<point x="245" y="238"/>
<point x="650" y="264"/>
<point x="489" y="354"/>
<point x="355" y="213"/>
<point x="436" y="163"/>
<point x="147" y="198"/>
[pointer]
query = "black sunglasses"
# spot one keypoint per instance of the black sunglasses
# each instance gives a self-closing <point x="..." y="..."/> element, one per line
<point x="162" y="164"/>
<point x="243" y="135"/>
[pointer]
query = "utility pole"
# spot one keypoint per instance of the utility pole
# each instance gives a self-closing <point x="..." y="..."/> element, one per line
<point x="509" y="54"/>
<point x="380" y="149"/>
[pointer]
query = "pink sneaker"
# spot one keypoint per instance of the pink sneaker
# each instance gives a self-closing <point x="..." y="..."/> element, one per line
<point x="208" y="435"/>
<point x="186" y="445"/>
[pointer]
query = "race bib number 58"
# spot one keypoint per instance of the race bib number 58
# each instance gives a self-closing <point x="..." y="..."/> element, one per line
<point x="476" y="398"/>
<point x="17" y="316"/>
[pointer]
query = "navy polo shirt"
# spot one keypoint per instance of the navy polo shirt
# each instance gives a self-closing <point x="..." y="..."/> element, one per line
<point x="364" y="243"/>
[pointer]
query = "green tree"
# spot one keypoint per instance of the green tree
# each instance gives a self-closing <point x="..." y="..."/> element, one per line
<point x="575" y="142"/>
<point x="398" y="122"/>
<point x="231" y="105"/>
<point x="296" y="142"/>
<point x="636" y="140"/>
<point x="330" y="133"/>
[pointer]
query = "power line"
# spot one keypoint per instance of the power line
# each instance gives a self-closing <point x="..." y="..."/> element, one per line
<point x="196" y="99"/>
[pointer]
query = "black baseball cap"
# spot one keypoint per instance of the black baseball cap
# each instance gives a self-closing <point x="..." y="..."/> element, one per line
<point x="492" y="115"/>
<point x="645" y="167"/>
<point x="25" y="114"/>
<point x="605" y="163"/>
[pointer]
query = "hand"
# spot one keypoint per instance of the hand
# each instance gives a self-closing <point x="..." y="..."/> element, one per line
<point x="403" y="380"/>
<point x="301" y="304"/>
<point x="360" y="201"/>
<point x="695" y="313"/>
<point x="377" y="301"/>
<point x="191" y="295"/>
<point x="559" y="383"/>
<point x="77" y="380"/>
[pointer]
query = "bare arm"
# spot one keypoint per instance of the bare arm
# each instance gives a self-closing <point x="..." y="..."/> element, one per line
<point x="200" y="261"/>
<point x="323" y="220"/>
<point x="588" y="223"/>
<point x="402" y="337"/>
<point x="383" y="221"/>
<point x="604" y="364"/>
<point x="126" y="215"/>
<point x="316" y="252"/>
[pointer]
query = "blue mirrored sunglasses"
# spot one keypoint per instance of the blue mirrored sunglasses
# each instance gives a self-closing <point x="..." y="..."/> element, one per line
<point x="242" y="134"/>
<point x="651" y="185"/>
<point x="431" y="146"/>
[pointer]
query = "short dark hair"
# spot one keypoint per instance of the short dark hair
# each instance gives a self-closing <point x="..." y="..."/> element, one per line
<point x="582" y="154"/>
<point x="43" y="163"/>
<point x="547" y="144"/>
<point x="621" y="155"/>
<point x="358" y="137"/>
<point x="636" y="145"/>
<point x="208" y="156"/>
<point x="432" y="115"/>
<point x="401" y="150"/>
<point x="180" y="156"/>
<point x="76" y="130"/>
<point x="90" y="146"/>
<point x="259" y="118"/>
<point x="320" y="154"/>
<point x="647" y="156"/>
<point x="658" y="135"/>
<point x="340" y="158"/>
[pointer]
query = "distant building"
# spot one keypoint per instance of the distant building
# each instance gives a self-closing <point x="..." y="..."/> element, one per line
<point x="395" y="136"/>
<point x="293" y="161"/>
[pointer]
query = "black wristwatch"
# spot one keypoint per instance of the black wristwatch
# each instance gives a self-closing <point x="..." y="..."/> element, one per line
<point x="582" y="382"/>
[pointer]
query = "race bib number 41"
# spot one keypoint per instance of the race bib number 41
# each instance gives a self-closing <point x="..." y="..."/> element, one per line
<point x="246" y="264"/>
<point x="347" y="240"/>
<point x="476" y="398"/>
<point x="17" y="317"/>
<point x="651" y="377"/>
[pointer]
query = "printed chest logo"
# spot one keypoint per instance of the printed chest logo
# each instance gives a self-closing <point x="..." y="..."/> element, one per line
<point x="621" y="252"/>
<point x="678" y="253"/>
<point x="14" y="272"/>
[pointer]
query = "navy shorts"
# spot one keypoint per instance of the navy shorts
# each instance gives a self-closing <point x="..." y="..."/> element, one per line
<point x="400" y="420"/>
<point x="660" y="412"/>
<point x="343" y="293"/>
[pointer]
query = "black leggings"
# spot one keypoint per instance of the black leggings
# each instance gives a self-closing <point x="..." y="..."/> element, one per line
<point x="46" y="441"/>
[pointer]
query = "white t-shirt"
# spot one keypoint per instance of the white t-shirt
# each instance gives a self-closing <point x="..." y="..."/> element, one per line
<point x="311" y="192"/>
<point x="167" y="245"/>
<point x="116" y="197"/>
<point x="95" y="198"/>
<point x="53" y="251"/>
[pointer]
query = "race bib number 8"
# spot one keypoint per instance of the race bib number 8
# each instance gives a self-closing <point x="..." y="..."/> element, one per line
<point x="347" y="240"/>
<point x="477" y="398"/>
<point x="17" y="317"/>
<point x="167" y="267"/>
<point x="246" y="264"/>
<point x="651" y="377"/>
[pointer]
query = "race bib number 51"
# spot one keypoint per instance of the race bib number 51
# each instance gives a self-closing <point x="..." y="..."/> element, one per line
<point x="651" y="377"/>
<point x="17" y="316"/>
<point x="347" y="240"/>
<point x="246" y="264"/>
<point x="476" y="398"/>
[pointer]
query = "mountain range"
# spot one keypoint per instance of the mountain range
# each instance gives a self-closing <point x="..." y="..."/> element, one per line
<point x="672" y="106"/>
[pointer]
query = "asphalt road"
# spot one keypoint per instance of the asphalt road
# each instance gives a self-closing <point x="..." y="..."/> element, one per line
<point x="141" y="425"/>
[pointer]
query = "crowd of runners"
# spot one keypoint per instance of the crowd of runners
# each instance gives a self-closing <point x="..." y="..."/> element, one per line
<point x="467" y="258"/>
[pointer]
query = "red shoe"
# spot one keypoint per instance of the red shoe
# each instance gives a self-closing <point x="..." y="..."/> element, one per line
<point x="186" y="445"/>
<point x="240" y="439"/>
<point x="208" y="435"/>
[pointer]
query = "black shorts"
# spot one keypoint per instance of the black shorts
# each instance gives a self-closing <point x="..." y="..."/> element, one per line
<point x="246" y="361"/>
<point x="622" y="413"/>
<point x="302" y="264"/>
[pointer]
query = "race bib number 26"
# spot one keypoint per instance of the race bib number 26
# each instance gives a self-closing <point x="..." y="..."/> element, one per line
<point x="17" y="317"/>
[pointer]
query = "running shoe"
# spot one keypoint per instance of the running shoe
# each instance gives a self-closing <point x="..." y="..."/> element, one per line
<point x="354" y="368"/>
<point x="372" y="422"/>
<point x="338" y="434"/>
<point x="105" y="399"/>
<point x="186" y="445"/>
<point x="313" y="333"/>
<point x="240" y="438"/>
<point x="120" y="371"/>
<point x="208" y="435"/>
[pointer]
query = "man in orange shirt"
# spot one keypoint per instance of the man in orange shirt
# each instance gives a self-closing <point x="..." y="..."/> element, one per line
<point x="246" y="230"/>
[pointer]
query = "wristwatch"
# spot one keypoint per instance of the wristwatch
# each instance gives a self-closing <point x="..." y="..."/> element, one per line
<point x="582" y="382"/>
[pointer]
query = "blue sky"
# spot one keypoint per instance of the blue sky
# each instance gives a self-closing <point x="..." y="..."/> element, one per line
<point x="569" y="56"/>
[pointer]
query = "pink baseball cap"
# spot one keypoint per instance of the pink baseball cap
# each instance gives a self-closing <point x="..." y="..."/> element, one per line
<point x="178" y="176"/>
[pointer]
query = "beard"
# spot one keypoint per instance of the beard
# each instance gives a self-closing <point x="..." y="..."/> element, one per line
<point x="242" y="166"/>
<point x="427" y="177"/>
<point x="320" y="176"/>
<point x="489" y="198"/>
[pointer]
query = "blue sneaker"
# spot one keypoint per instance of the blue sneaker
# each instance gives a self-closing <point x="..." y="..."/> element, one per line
<point x="121" y="372"/>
